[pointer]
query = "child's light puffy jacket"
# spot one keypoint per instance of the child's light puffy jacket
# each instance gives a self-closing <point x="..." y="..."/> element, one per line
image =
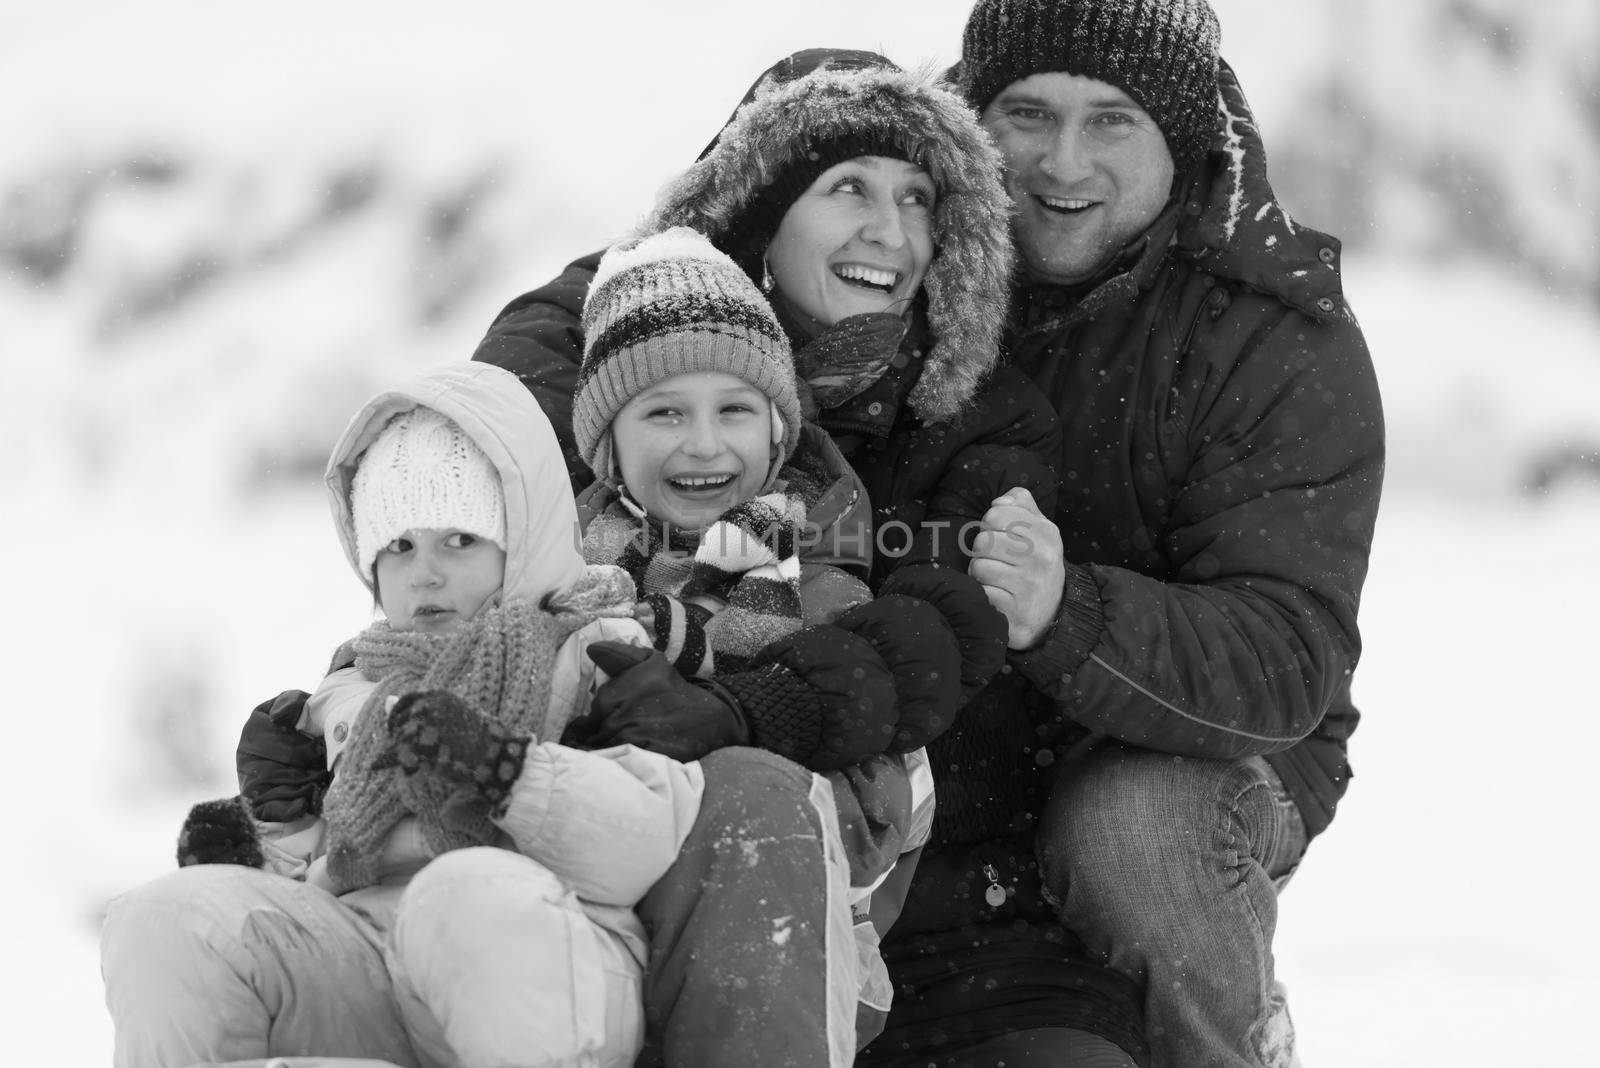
<point x="608" y="822"/>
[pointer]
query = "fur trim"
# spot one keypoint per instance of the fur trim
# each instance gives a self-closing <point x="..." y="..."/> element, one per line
<point x="968" y="283"/>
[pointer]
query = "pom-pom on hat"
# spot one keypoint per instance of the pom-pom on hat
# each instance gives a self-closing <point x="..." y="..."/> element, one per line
<point x="1162" y="53"/>
<point x="671" y="304"/>
<point x="423" y="472"/>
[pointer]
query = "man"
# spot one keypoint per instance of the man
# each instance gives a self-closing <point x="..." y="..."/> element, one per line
<point x="1194" y="600"/>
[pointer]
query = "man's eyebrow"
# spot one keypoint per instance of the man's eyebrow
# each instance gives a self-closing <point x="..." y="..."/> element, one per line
<point x="1020" y="98"/>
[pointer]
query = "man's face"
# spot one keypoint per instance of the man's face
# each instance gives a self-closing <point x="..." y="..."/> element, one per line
<point x="1086" y="168"/>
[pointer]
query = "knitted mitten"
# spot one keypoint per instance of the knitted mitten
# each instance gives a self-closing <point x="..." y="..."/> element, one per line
<point x="220" y="832"/>
<point x="435" y="732"/>
<point x="679" y="631"/>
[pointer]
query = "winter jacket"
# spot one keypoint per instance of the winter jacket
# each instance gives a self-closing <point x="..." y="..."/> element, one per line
<point x="1221" y="463"/>
<point x="885" y="804"/>
<point x="645" y="802"/>
<point x="1220" y="481"/>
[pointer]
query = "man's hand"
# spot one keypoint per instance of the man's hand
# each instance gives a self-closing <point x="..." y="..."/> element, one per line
<point x="1018" y="559"/>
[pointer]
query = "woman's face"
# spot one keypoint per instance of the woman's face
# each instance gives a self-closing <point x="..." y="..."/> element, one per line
<point x="858" y="240"/>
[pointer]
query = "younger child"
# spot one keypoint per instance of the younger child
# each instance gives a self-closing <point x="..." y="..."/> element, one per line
<point x="443" y="731"/>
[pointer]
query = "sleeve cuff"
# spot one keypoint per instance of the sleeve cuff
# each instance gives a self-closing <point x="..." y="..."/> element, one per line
<point x="1078" y="627"/>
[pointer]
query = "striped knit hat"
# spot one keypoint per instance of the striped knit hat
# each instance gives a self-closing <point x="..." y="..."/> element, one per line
<point x="1162" y="53"/>
<point x="671" y="304"/>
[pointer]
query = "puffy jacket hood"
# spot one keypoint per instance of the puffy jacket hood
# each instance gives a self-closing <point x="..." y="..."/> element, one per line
<point x="494" y="408"/>
<point x="1234" y="224"/>
<point x="967" y="286"/>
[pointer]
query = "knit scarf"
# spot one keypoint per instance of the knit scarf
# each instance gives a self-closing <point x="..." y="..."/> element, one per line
<point x="720" y="595"/>
<point x="840" y="362"/>
<point x="500" y="662"/>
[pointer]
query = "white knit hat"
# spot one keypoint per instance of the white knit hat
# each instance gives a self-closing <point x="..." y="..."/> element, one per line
<point x="423" y="472"/>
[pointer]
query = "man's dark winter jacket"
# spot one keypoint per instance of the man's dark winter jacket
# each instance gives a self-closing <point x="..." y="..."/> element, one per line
<point x="1220" y="470"/>
<point x="1221" y="467"/>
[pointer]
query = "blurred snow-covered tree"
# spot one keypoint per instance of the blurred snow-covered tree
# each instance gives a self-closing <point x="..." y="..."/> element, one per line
<point x="1457" y="125"/>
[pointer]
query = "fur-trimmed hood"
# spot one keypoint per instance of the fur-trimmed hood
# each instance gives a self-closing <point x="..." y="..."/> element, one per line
<point x="1241" y="231"/>
<point x="967" y="285"/>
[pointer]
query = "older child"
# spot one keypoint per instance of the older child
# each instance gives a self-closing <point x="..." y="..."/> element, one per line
<point x="741" y="524"/>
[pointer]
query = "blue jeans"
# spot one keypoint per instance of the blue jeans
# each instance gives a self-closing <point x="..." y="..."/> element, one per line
<point x="1171" y="867"/>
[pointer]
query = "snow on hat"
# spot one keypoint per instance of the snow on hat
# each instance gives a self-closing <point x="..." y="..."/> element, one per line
<point x="423" y="472"/>
<point x="671" y="304"/>
<point x="1162" y="53"/>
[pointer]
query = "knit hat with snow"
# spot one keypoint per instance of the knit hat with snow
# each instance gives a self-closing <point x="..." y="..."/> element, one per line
<point x="1162" y="53"/>
<point x="423" y="472"/>
<point x="671" y="304"/>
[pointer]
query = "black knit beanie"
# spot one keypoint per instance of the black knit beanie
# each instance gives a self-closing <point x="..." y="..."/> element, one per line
<point x="752" y="231"/>
<point x="1162" y="53"/>
<point x="750" y="234"/>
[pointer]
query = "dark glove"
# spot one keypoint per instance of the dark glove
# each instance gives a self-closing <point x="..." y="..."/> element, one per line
<point x="918" y="646"/>
<point x="648" y="704"/>
<point x="283" y="772"/>
<point x="437" y="732"/>
<point x="820" y="696"/>
<point x="220" y="832"/>
<point x="980" y="627"/>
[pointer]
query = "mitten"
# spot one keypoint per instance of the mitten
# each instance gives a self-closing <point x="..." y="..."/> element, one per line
<point x="435" y="732"/>
<point x="647" y="703"/>
<point x="220" y="832"/>
<point x="821" y="697"/>
<point x="679" y="630"/>
<point x="980" y="627"/>
<point x="912" y="638"/>
<point x="283" y="772"/>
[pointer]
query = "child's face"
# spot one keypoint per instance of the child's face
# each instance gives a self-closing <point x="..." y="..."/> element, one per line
<point x="435" y="580"/>
<point x="694" y="445"/>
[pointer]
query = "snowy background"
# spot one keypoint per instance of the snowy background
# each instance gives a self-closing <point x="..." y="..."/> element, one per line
<point x="222" y="227"/>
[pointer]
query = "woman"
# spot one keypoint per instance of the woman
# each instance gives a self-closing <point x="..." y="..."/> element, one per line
<point x="894" y="301"/>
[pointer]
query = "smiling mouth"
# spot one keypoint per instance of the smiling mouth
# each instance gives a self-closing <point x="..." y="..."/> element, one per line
<point x="1065" y="205"/>
<point x="698" y="483"/>
<point x="877" y="279"/>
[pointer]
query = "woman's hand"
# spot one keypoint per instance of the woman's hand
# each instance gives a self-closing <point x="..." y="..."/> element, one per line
<point x="1018" y="558"/>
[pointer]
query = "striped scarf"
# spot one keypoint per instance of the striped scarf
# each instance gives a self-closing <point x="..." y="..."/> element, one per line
<point x="720" y="595"/>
